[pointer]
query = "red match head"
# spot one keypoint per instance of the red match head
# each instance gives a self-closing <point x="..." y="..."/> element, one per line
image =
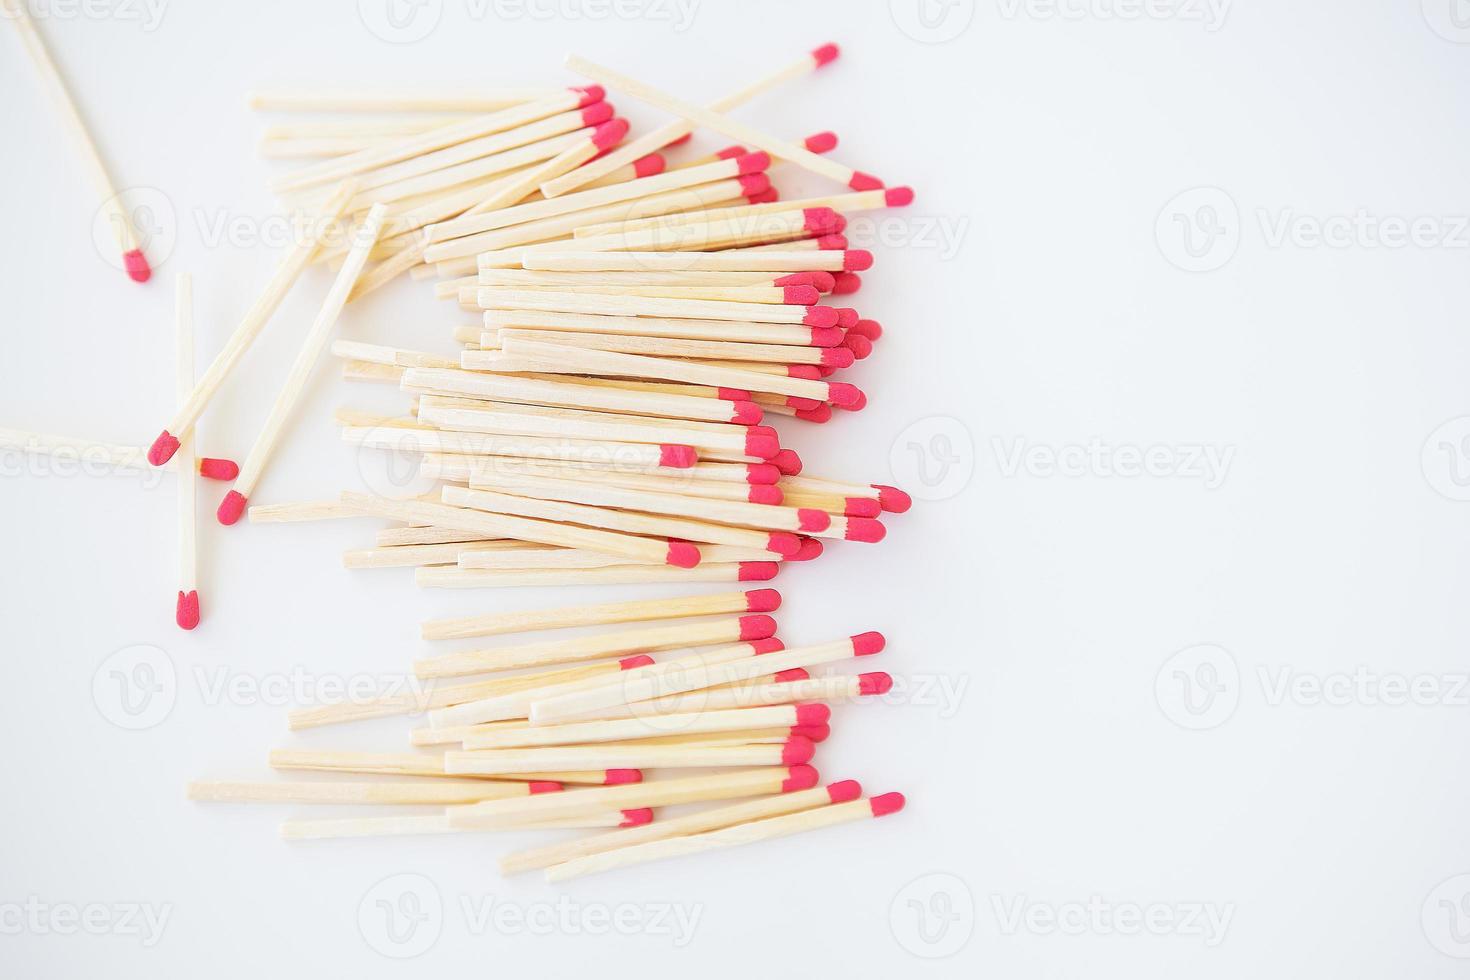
<point x="841" y="357"/>
<point x="832" y="243"/>
<point x="803" y="295"/>
<point x="886" y="804"/>
<point x="137" y="266"/>
<point x="163" y="448"/>
<point x="892" y="499"/>
<point x="859" y="345"/>
<point x="635" y="661"/>
<point x="747" y="413"/>
<point x="857" y="405"/>
<point x="857" y="260"/>
<point x="733" y="394"/>
<point x="757" y="571"/>
<point x="787" y="462"/>
<point x="871" y="329"/>
<point x="677" y="457"/>
<point x="820" y="316"/>
<point x="231" y="508"/>
<point x="822" y="221"/>
<point x="731" y="152"/>
<point x="596" y="114"/>
<point x="847" y="317"/>
<point x="783" y="543"/>
<point x="867" y="644"/>
<point x="825" y="54"/>
<point x="811" y="713"/>
<point x="764" y="197"/>
<point x="809" y="372"/>
<point x="589" y="94"/>
<point x="186" y="610"/>
<point x="898" y="197"/>
<point x="860" y="507"/>
<point x="794" y="674"/>
<point x="815" y="733"/>
<point x="844" y="395"/>
<point x="875" y="683"/>
<point x="770" y="644"/>
<point x="633" y="818"/>
<point x="765" y="494"/>
<point x="610" y="133"/>
<point x="865" y="529"/>
<point x="751" y="184"/>
<point x="682" y="139"/>
<point x="682" y="554"/>
<point x="823" y="142"/>
<point x="619" y="777"/>
<point x="752" y="163"/>
<point x="757" y="627"/>
<point x="821" y="281"/>
<point x="762" y="600"/>
<point x="647" y="166"/>
<point x="542" y="786"/>
<point x="864" y="182"/>
<point x="756" y="473"/>
<point x="811" y="520"/>
<point x="820" y="414"/>
<point x="845" y="283"/>
<point x="218" y="469"/>
<point x="797" y="751"/>
<point x="810" y="548"/>
<point x="799" y="777"/>
<point x="826" y="336"/>
<point x="845" y="791"/>
<point x="761" y="442"/>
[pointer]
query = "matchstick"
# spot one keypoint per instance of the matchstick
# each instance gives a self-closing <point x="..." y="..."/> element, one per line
<point x="523" y="557"/>
<point x="441" y="792"/>
<point x="367" y="127"/>
<point x="425" y="764"/>
<point x="497" y="298"/>
<point x="761" y="694"/>
<point x="836" y="357"/>
<point x="796" y="750"/>
<point x="641" y="457"/>
<point x="891" y="197"/>
<point x="786" y="259"/>
<point x="413" y="556"/>
<point x="245" y="334"/>
<point x="438" y="577"/>
<point x="747" y="135"/>
<point x="506" y="419"/>
<point x="679" y="129"/>
<point x="803" y="295"/>
<point x="823" y="282"/>
<point x="663" y="792"/>
<point x="186" y="605"/>
<point x="640" y="727"/>
<point x="134" y="263"/>
<point x="439" y="824"/>
<point x="315" y="341"/>
<point x="601" y="614"/>
<point x="621" y="478"/>
<point x="477" y="100"/>
<point x="746" y="833"/>
<point x="597" y="646"/>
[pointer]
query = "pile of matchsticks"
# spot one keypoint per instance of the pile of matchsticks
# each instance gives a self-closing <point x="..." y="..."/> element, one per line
<point x="564" y="743"/>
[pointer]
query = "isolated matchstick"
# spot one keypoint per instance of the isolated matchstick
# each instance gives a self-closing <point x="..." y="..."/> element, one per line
<point x="316" y="339"/>
<point x="601" y="614"/>
<point x="186" y="606"/>
<point x="245" y="334"/>
<point x="18" y="13"/>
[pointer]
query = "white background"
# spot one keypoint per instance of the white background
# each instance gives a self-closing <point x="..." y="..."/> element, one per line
<point x="1037" y="301"/>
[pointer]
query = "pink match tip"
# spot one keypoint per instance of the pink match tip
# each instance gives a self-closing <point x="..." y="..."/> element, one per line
<point x="832" y="243"/>
<point x="875" y="683"/>
<point x="860" y="507"/>
<point x="218" y="469"/>
<point x="681" y="140"/>
<point x="731" y="152"/>
<point x="865" y="529"/>
<point x="799" y="777"/>
<point x="798" y="279"/>
<point x="845" y="791"/>
<point x="186" y="610"/>
<point x="762" y="600"/>
<point x="898" y="197"/>
<point x="783" y="543"/>
<point x="867" y="644"/>
<point x="857" y="260"/>
<point x="808" y="372"/>
<point x="765" y="494"/>
<point x="755" y="183"/>
<point x="794" y="674"/>
<point x="750" y="163"/>
<point x="787" y="462"/>
<point x="838" y="357"/>
<point x="597" y="113"/>
<point x="610" y="133"/>
<point x="824" y="372"/>
<point x="846" y="283"/>
<point x="810" y="519"/>
<point x="823" y="142"/>
<point x="137" y="266"/>
<point x="747" y="413"/>
<point x="769" y="645"/>
<point x="800" y="295"/>
<point x="633" y="818"/>
<point x="677" y="457"/>
<point x="858" y="405"/>
<point x="842" y="394"/>
<point x="820" y="415"/>
<point x="826" y="336"/>
<point x="589" y="94"/>
<point x="826" y="54"/>
<point x="759" y="473"/>
<point x="543" y="786"/>
<point x="847" y="317"/>
<point x="732" y="394"/>
<point x="634" y="662"/>
<point x="804" y="404"/>
<point x="820" y="316"/>
<point x="816" y="733"/>
<point x="682" y="554"/>
<point x="810" y="548"/>
<point x="757" y="627"/>
<point x="620" y="777"/>
<point x="864" y="182"/>
<point x="757" y="571"/>
<point x="647" y="166"/>
<point x="760" y="443"/>
<point x="231" y="508"/>
<point x="821" y="221"/>
<point x="163" y="448"/>
<point x="797" y="751"/>
<point x="892" y="499"/>
<point x="860" y="346"/>
<point x="764" y="197"/>
<point x="871" y="329"/>
<point x="812" y="713"/>
<point x="886" y="804"/>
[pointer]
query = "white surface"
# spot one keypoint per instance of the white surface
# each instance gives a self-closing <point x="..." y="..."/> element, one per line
<point x="1027" y="298"/>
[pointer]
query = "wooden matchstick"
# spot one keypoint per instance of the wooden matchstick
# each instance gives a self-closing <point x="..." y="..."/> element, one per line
<point x="641" y="457"/>
<point x="497" y="298"/>
<point x="641" y="727"/>
<point x="441" y="792"/>
<point x="746" y="833"/>
<point x="413" y="556"/>
<point x="477" y="100"/>
<point x="601" y="614"/>
<point x="835" y="357"/>
<point x="796" y="750"/>
<point x="438" y="823"/>
<point x="186" y="604"/>
<point x="245" y="334"/>
<point x="315" y="341"/>
<point x="571" y="259"/>
<point x="426" y="764"/>
<point x="134" y="263"/>
<point x="889" y="197"/>
<point x="526" y="557"/>
<point x="442" y="577"/>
